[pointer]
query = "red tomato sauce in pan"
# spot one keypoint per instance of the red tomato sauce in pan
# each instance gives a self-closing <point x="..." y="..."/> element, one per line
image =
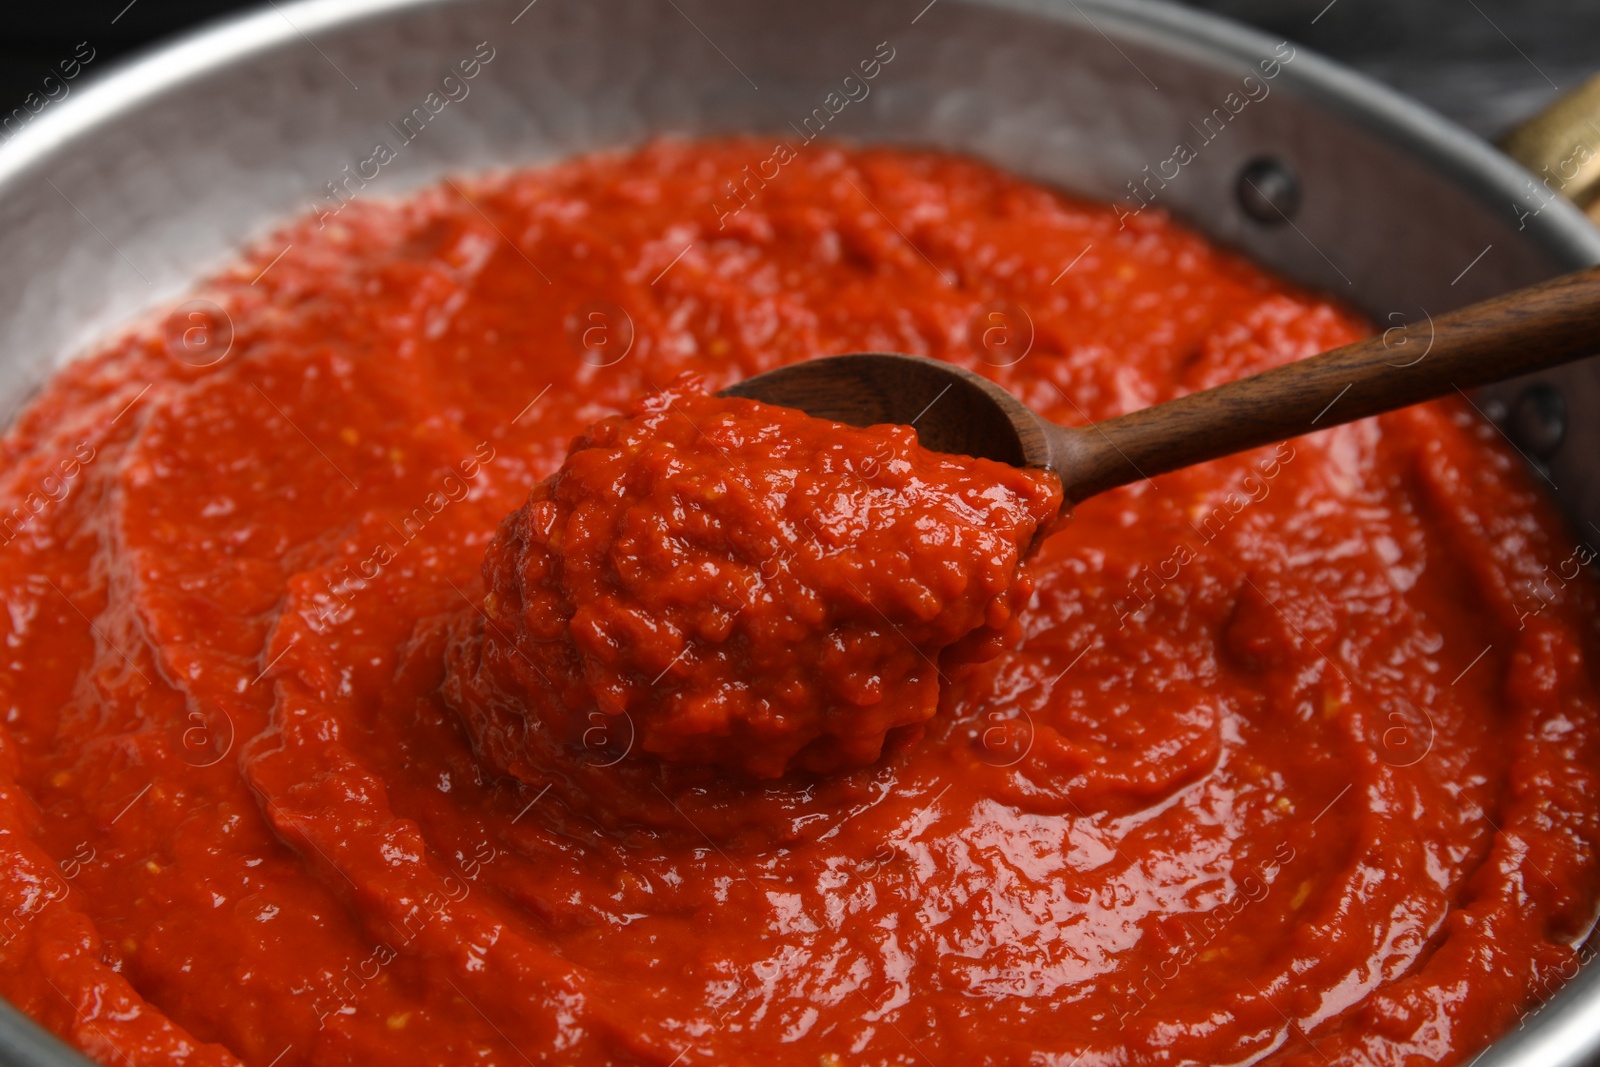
<point x="1289" y="758"/>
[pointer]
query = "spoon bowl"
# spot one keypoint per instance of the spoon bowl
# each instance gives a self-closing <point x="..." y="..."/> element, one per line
<point x="951" y="408"/>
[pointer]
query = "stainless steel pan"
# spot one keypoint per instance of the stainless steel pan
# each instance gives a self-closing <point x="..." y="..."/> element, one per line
<point x="115" y="199"/>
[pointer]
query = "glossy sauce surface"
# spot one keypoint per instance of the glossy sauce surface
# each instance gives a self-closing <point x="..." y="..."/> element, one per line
<point x="1293" y="760"/>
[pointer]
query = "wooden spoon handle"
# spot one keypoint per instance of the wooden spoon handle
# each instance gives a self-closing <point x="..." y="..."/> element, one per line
<point x="1518" y="333"/>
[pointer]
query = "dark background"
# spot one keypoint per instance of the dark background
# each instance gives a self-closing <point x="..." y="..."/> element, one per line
<point x="1485" y="63"/>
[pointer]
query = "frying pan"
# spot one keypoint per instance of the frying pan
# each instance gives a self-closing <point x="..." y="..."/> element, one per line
<point x="118" y="197"/>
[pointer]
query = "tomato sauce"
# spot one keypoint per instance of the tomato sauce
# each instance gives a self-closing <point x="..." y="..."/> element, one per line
<point x="1289" y="758"/>
<point x="742" y="586"/>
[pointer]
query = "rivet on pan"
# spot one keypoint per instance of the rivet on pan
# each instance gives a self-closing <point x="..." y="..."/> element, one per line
<point x="1269" y="191"/>
<point x="1537" y="421"/>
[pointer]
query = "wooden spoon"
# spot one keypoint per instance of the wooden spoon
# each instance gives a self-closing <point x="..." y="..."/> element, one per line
<point x="955" y="410"/>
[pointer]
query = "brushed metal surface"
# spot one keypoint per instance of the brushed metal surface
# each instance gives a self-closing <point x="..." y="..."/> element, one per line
<point x="113" y="204"/>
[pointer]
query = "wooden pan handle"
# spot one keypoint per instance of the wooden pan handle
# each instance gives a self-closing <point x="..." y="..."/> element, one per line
<point x="1521" y="332"/>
